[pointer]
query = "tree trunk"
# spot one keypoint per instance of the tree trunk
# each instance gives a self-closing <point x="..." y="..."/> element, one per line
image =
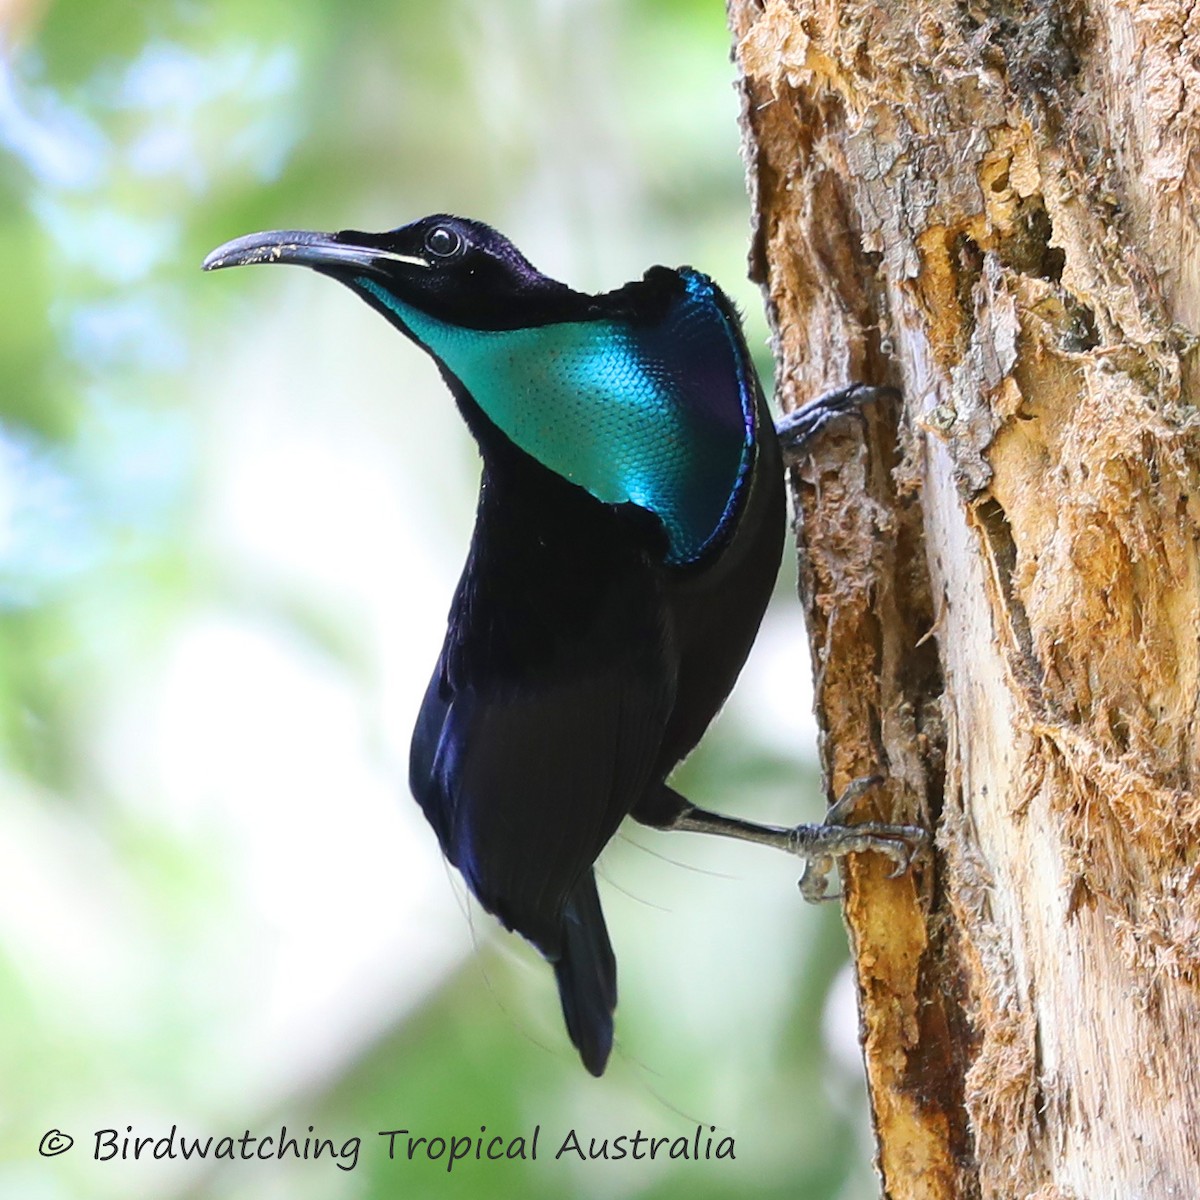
<point x="991" y="204"/>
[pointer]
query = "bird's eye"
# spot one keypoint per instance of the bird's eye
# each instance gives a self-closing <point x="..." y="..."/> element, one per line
<point x="443" y="242"/>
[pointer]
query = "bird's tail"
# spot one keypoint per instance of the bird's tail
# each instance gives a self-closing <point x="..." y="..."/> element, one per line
<point x="587" y="976"/>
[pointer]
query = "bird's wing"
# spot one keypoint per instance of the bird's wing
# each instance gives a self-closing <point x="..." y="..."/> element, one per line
<point x="544" y="721"/>
<point x="533" y="781"/>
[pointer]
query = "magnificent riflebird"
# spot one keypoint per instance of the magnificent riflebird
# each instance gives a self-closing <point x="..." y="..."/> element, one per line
<point x="629" y="531"/>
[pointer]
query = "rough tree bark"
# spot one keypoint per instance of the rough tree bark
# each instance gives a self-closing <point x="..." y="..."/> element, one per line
<point x="992" y="204"/>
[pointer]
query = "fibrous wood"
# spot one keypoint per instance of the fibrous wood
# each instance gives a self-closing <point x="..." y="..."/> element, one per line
<point x="993" y="206"/>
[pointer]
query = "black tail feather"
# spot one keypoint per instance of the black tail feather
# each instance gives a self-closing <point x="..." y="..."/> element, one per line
<point x="587" y="976"/>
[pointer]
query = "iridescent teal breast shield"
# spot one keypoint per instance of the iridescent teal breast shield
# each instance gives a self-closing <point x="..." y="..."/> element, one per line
<point x="662" y="416"/>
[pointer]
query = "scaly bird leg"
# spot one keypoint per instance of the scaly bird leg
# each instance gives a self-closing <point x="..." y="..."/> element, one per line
<point x="796" y="430"/>
<point x="821" y="845"/>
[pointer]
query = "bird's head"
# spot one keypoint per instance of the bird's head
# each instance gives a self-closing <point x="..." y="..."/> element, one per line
<point x="642" y="396"/>
<point x="460" y="272"/>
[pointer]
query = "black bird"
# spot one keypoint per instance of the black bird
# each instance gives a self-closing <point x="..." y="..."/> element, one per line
<point x="629" y="531"/>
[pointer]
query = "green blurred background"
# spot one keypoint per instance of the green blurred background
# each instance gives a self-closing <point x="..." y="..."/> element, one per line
<point x="232" y="510"/>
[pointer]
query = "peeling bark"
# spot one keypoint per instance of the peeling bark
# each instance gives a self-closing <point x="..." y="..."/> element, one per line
<point x="992" y="204"/>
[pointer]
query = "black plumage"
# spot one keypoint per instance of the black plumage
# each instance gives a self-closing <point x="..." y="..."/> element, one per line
<point x="604" y="611"/>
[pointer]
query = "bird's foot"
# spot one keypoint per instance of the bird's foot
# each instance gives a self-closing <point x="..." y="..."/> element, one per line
<point x="796" y="430"/>
<point x="823" y="845"/>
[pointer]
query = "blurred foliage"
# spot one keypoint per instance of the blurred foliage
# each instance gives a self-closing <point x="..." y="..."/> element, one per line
<point x="138" y="939"/>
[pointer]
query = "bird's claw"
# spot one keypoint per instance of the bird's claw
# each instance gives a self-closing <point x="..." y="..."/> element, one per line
<point x="822" y="845"/>
<point x="797" y="430"/>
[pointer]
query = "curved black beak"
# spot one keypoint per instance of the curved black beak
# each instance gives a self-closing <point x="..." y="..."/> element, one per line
<point x="327" y="251"/>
